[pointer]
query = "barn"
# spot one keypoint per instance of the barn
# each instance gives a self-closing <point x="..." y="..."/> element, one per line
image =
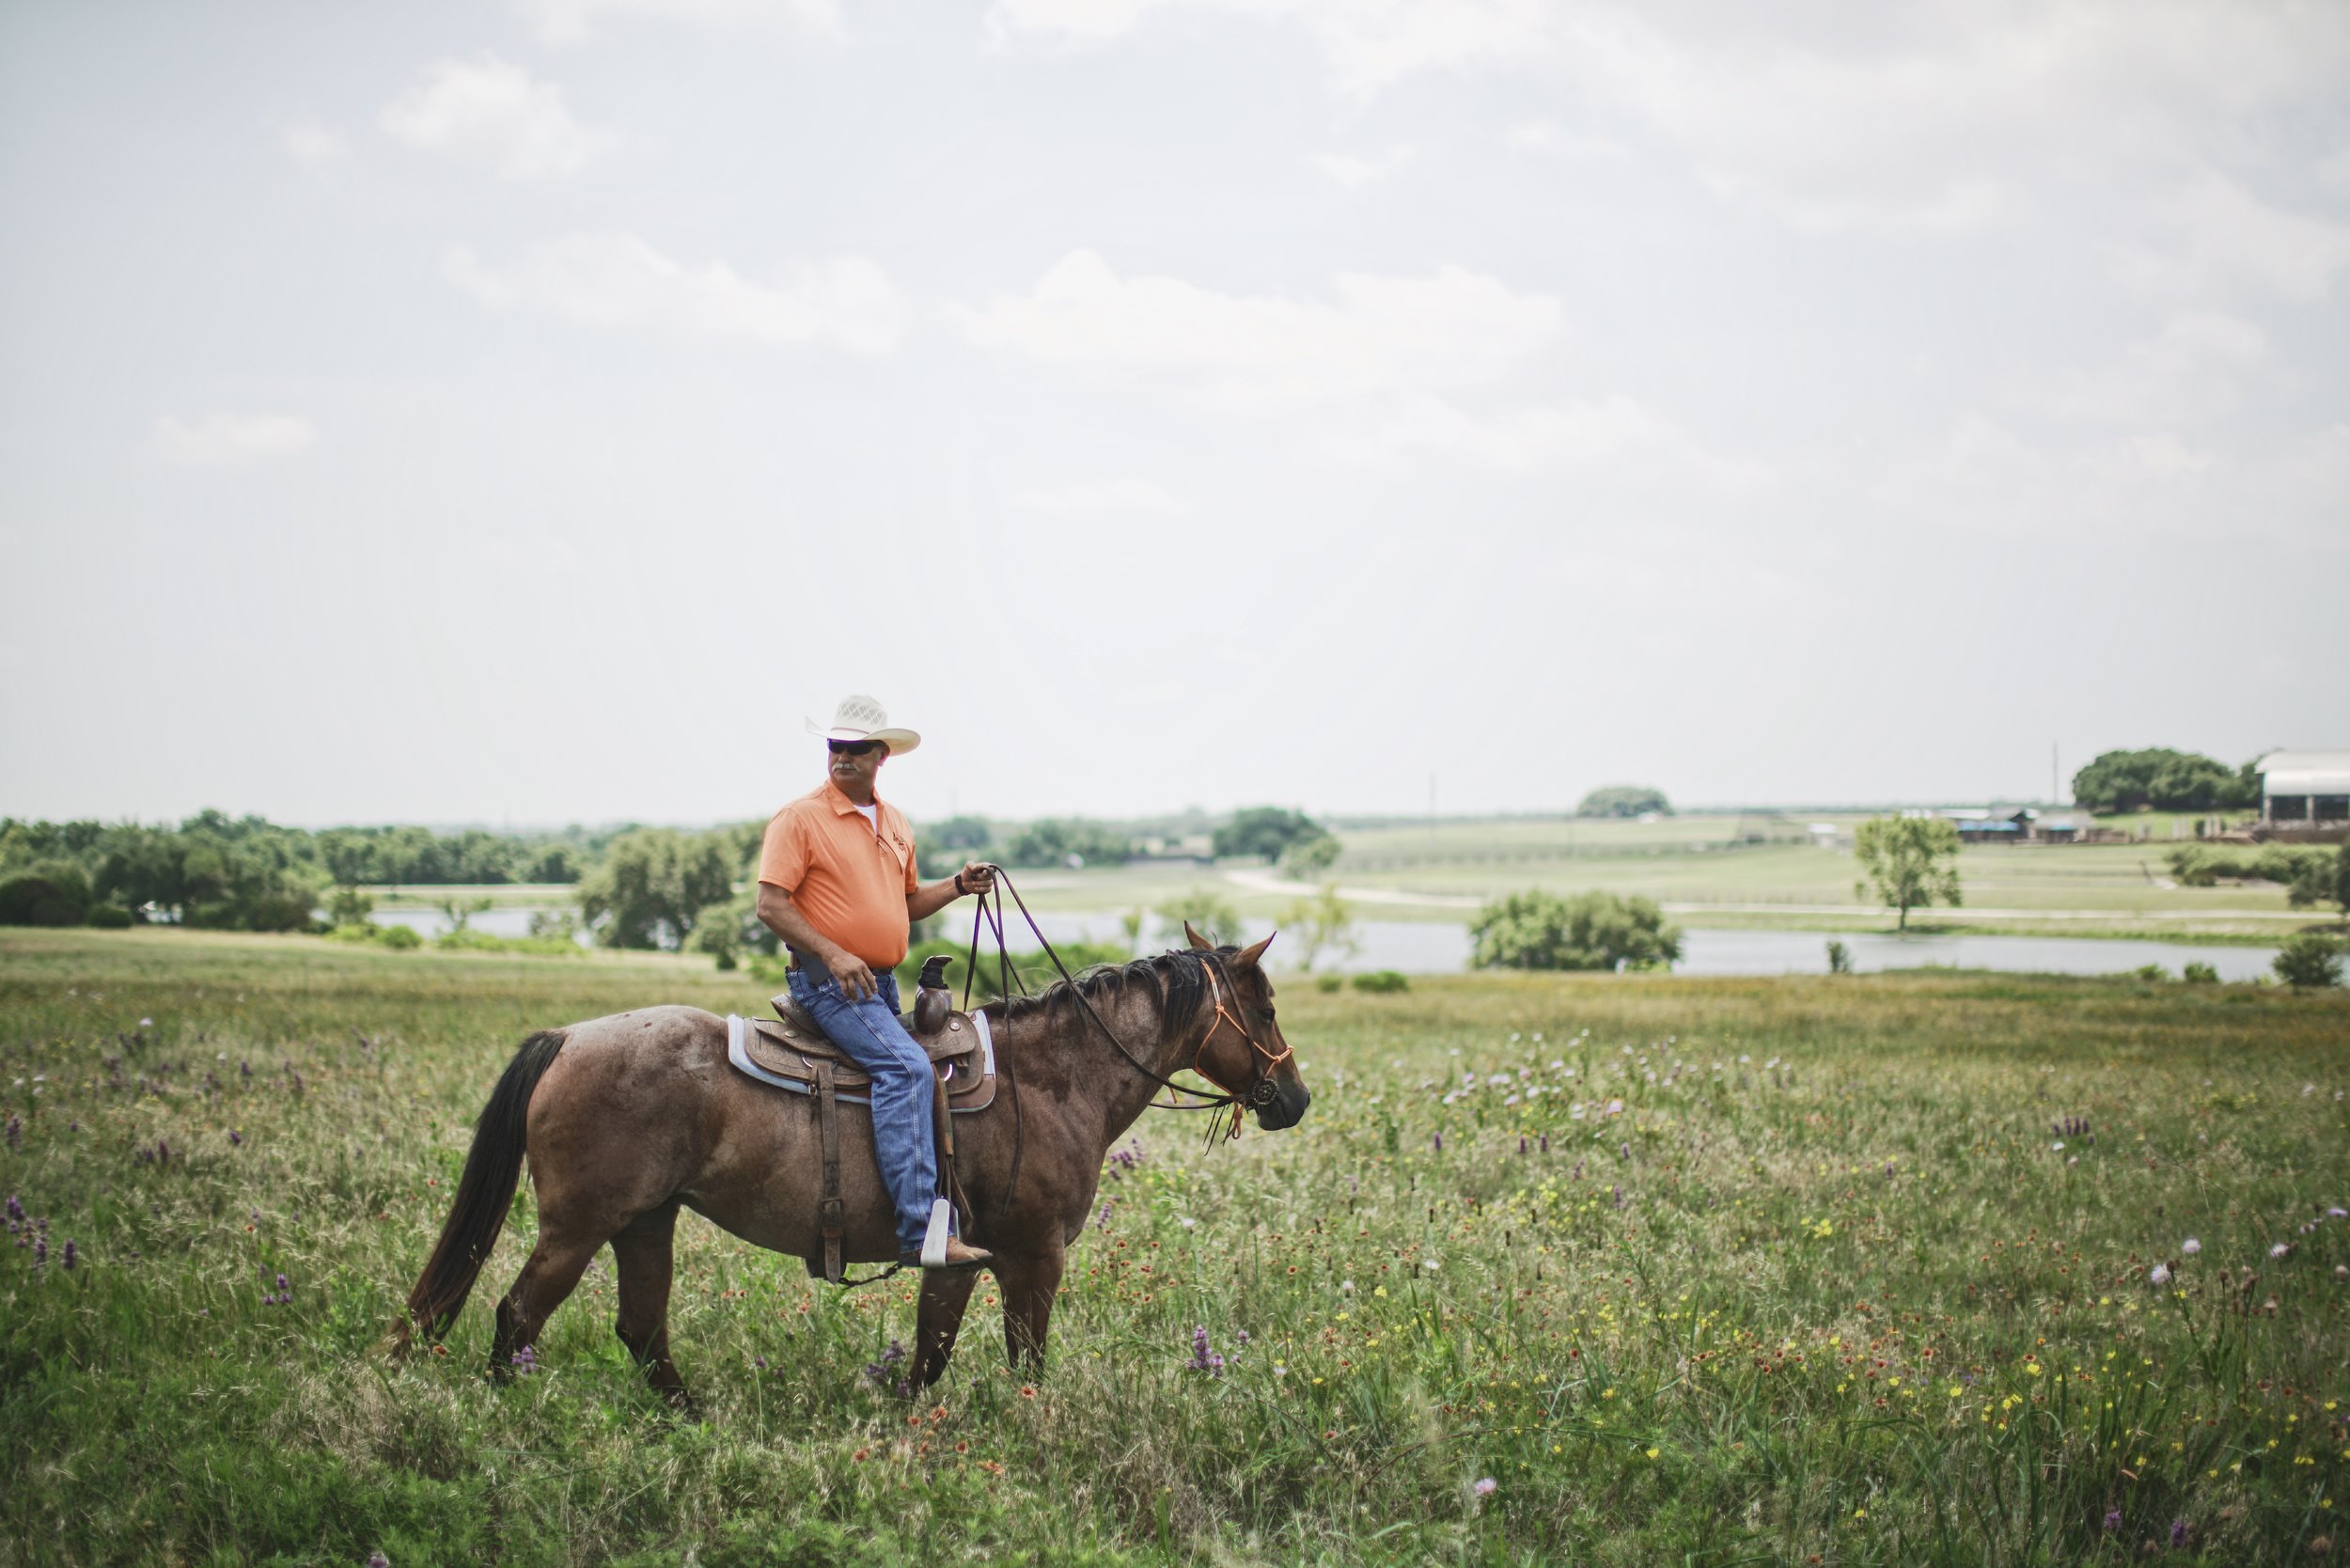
<point x="2305" y="788"/>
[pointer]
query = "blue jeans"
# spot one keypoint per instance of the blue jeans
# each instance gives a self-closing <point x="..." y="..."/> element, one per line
<point x="869" y="1032"/>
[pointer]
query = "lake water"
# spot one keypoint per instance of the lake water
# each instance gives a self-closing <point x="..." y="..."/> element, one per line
<point x="1441" y="946"/>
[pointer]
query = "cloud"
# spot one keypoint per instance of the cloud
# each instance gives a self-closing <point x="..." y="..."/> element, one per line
<point x="1613" y="432"/>
<point x="494" y="115"/>
<point x="2224" y="238"/>
<point x="617" y="280"/>
<point x="1554" y="140"/>
<point x="1107" y="498"/>
<point x="1369" y="43"/>
<point x="1373" y="335"/>
<point x="575" y="21"/>
<point x="1356" y="173"/>
<point x="2193" y="370"/>
<point x="315" y="149"/>
<point x="231" y="440"/>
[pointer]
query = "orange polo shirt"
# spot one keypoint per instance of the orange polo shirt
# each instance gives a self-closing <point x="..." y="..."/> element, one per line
<point x="848" y="877"/>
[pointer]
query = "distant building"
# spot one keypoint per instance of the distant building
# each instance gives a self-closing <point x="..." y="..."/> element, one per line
<point x="2305" y="789"/>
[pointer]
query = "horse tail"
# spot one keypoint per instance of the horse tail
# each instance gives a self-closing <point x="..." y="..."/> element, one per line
<point x="492" y="1167"/>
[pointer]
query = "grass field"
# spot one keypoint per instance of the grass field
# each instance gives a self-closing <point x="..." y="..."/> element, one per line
<point x="1825" y="1290"/>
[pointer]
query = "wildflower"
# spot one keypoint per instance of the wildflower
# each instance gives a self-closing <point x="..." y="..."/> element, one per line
<point x="40" y="1251"/>
<point x="2113" y="1520"/>
<point x="377" y="1560"/>
<point x="2280" y="1249"/>
<point x="2178" y="1534"/>
<point x="16" y="1211"/>
<point x="1439" y="1139"/>
<point x="235" y="1138"/>
<point x="1485" y="1486"/>
<point x="2190" y="1246"/>
<point x="879" y="1374"/>
<point x="2158" y="1274"/>
<point x="68" y="1257"/>
<point x="16" y="1130"/>
<point x="1203" y="1359"/>
<point x="525" y="1360"/>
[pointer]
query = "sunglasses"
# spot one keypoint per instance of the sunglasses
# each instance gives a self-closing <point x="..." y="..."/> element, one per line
<point x="851" y="748"/>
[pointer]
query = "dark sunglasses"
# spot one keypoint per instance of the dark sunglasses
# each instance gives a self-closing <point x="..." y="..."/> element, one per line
<point x="850" y="749"/>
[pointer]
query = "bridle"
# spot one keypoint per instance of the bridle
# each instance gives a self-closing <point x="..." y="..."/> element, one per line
<point x="1265" y="1090"/>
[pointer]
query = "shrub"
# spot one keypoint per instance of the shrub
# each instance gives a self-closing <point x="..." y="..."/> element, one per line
<point x="2150" y="972"/>
<point x="404" y="938"/>
<point x="110" y="916"/>
<point x="1624" y="800"/>
<point x="49" y="893"/>
<point x="1838" y="959"/>
<point x="349" y="907"/>
<point x="1209" y="912"/>
<point x="1591" y="931"/>
<point x="1382" y="982"/>
<point x="1267" y="830"/>
<point x="2199" y="974"/>
<point x="1329" y="984"/>
<point x="2309" y="960"/>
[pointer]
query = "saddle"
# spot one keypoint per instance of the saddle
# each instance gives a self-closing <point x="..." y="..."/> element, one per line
<point x="790" y="1051"/>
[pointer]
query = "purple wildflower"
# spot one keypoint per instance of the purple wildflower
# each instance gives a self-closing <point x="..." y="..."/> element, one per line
<point x="525" y="1360"/>
<point x="1203" y="1359"/>
<point x="2177" y="1534"/>
<point x="16" y="1210"/>
<point x="1439" y="1141"/>
<point x="1105" y="1211"/>
<point x="377" y="1560"/>
<point x="67" y="1259"/>
<point x="163" y="1152"/>
<point x="1485" y="1486"/>
<point x="1521" y="1143"/>
<point x="1618" y="1192"/>
<point x="235" y="1138"/>
<point x="40" y="1251"/>
<point x="880" y="1374"/>
<point x="16" y="1130"/>
<point x="1546" y="1143"/>
<point x="1624" y="1150"/>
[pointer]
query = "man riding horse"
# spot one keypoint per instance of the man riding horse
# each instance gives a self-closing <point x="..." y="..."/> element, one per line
<point x="838" y="883"/>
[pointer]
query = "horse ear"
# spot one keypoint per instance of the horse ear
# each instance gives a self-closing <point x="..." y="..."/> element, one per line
<point x="1197" y="940"/>
<point x="1249" y="955"/>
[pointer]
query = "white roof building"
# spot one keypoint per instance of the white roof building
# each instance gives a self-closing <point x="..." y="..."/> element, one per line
<point x="2304" y="786"/>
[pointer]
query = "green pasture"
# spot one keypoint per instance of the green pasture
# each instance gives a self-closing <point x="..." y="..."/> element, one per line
<point x="1558" y="1269"/>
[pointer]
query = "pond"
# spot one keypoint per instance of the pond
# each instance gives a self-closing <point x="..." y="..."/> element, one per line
<point x="1441" y="946"/>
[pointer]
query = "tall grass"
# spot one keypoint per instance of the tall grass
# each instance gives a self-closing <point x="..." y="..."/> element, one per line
<point x="1824" y="1289"/>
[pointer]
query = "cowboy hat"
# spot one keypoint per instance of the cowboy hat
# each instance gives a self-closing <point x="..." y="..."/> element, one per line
<point x="858" y="717"/>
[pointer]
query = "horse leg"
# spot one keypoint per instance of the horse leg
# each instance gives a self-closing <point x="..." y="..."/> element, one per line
<point x="1030" y="1284"/>
<point x="642" y="1252"/>
<point x="937" y="1318"/>
<point x="548" y="1275"/>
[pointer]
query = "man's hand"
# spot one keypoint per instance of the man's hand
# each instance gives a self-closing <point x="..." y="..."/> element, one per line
<point x="976" y="878"/>
<point x="855" y="974"/>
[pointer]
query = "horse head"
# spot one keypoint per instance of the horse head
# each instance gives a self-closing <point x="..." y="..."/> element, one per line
<point x="1243" y="1053"/>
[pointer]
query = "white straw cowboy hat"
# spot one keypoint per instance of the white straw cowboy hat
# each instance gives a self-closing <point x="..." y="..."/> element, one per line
<point x="858" y="717"/>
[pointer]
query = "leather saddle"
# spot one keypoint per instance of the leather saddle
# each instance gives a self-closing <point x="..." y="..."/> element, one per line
<point x="790" y="1051"/>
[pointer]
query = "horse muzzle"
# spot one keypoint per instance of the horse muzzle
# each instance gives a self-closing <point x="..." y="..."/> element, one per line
<point x="1284" y="1106"/>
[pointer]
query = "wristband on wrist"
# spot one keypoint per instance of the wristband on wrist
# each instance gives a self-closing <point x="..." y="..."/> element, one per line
<point x="960" y="891"/>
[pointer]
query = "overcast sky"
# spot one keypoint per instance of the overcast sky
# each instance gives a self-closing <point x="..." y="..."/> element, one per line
<point x="531" y="412"/>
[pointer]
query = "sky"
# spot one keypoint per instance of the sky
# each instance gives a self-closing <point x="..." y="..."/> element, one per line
<point x="533" y="412"/>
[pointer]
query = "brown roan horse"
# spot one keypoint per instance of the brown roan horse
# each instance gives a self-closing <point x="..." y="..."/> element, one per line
<point x="630" y="1117"/>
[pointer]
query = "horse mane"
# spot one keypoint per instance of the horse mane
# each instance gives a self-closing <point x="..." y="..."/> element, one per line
<point x="1177" y="980"/>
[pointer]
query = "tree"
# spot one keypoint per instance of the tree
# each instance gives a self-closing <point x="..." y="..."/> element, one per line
<point x="2309" y="960"/>
<point x="1206" y="909"/>
<point x="1267" y="830"/>
<point x="1624" y="800"/>
<point x="1309" y="858"/>
<point x="2165" y="780"/>
<point x="1058" y="841"/>
<point x="1536" y="930"/>
<point x="1321" y="924"/>
<point x="653" y="885"/>
<point x="1912" y="863"/>
<point x="47" y="893"/>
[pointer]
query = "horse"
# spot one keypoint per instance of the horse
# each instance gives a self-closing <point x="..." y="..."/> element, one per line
<point x="630" y="1117"/>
